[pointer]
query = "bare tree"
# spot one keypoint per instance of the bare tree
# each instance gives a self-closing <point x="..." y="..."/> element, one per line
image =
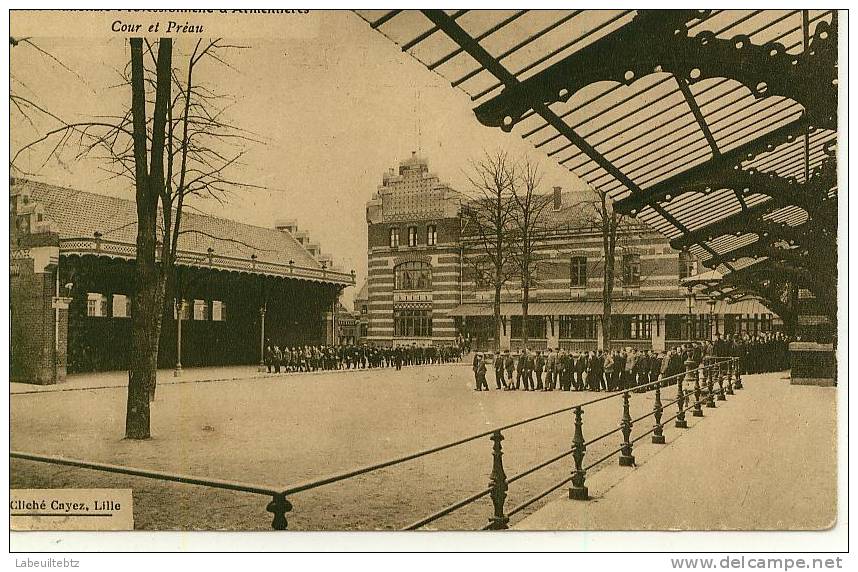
<point x="487" y="218"/>
<point x="185" y="147"/>
<point x="609" y="223"/>
<point x="530" y="226"/>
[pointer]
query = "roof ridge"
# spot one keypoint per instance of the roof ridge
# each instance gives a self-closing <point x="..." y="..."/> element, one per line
<point x="184" y="212"/>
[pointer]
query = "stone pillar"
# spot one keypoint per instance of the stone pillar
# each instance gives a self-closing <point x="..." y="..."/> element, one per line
<point x="39" y="320"/>
<point x="328" y="318"/>
<point x="657" y="329"/>
<point x="506" y="333"/>
<point x="553" y="326"/>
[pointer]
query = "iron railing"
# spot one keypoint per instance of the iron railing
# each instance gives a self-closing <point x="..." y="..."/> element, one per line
<point x="698" y="387"/>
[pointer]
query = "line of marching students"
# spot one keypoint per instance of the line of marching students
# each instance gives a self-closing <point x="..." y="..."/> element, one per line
<point x="622" y="369"/>
<point x="330" y="357"/>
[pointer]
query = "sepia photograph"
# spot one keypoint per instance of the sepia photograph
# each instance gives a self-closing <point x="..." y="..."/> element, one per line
<point x="426" y="270"/>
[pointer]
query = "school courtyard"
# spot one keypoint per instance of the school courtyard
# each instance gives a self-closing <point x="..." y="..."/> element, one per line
<point x="283" y="430"/>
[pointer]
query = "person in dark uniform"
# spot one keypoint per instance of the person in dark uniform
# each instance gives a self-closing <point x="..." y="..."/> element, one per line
<point x="477" y="364"/>
<point x="509" y="363"/>
<point x="608" y="365"/>
<point x="550" y="369"/>
<point x="538" y="366"/>
<point x="566" y="371"/>
<point x="594" y="373"/>
<point x="521" y="365"/>
<point x="500" y="382"/>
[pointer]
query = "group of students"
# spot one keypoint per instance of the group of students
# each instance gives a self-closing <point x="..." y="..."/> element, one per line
<point x="622" y="369"/>
<point x="563" y="370"/>
<point x="330" y="357"/>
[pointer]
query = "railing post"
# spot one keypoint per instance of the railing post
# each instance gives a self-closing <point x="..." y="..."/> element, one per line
<point x="697" y="411"/>
<point x="710" y="384"/>
<point x="627" y="459"/>
<point x="680" y="422"/>
<point x="498" y="484"/>
<point x="730" y="365"/>
<point x="722" y="373"/>
<point x="657" y="410"/>
<point x="738" y="384"/>
<point x="578" y="491"/>
<point x="279" y="506"/>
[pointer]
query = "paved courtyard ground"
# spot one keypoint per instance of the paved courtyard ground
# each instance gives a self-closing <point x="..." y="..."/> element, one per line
<point x="279" y="431"/>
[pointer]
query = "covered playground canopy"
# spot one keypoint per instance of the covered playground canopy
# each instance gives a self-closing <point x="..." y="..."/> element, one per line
<point x="718" y="128"/>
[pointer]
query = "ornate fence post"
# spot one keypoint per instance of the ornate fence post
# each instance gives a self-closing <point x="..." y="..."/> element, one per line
<point x="710" y="383"/>
<point x="697" y="411"/>
<point x="738" y="384"/>
<point x="578" y="491"/>
<point x="627" y="459"/>
<point x="498" y="484"/>
<point x="730" y="367"/>
<point x="657" y="410"/>
<point x="722" y="374"/>
<point x="279" y="506"/>
<point x="680" y="422"/>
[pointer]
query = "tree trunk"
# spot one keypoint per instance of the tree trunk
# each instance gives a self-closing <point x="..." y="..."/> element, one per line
<point x="148" y="297"/>
<point x="497" y="317"/>
<point x="525" y="304"/>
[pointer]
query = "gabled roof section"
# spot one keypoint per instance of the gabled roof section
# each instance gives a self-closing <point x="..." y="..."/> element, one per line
<point x="79" y="215"/>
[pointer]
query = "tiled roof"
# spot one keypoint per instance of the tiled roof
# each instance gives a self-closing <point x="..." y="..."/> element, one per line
<point x="79" y="214"/>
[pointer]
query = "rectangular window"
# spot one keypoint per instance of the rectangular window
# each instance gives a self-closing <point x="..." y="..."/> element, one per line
<point x="632" y="327"/>
<point x="535" y="327"/>
<point x="218" y="311"/>
<point x="96" y="305"/>
<point x="631" y="270"/>
<point x="577" y="327"/>
<point x="578" y="271"/>
<point x="431" y="235"/>
<point x="687" y="265"/>
<point x="412" y="323"/>
<point x="121" y="306"/>
<point x="412" y="236"/>
<point x="394" y="237"/>
<point x="201" y="310"/>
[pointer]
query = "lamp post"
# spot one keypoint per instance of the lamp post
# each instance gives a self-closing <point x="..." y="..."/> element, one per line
<point x="690" y="298"/>
<point x="712" y="330"/>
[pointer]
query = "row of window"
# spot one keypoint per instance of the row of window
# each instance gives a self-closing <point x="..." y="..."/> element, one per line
<point x="431" y="236"/>
<point x="630" y="271"/>
<point x="412" y="323"/>
<point x="633" y="327"/>
<point x="120" y="307"/>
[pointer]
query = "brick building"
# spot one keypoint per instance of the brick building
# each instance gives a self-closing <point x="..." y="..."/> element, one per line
<point x="72" y="279"/>
<point x="424" y="283"/>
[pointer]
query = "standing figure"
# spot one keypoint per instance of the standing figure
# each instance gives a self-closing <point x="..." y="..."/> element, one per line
<point x="538" y="366"/>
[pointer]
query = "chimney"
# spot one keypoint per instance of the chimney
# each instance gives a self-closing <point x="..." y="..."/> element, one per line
<point x="557" y="198"/>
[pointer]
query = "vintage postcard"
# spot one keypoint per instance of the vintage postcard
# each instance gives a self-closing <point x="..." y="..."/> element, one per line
<point x="426" y="270"/>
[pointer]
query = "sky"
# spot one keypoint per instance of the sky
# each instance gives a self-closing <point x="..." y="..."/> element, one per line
<point x="333" y="109"/>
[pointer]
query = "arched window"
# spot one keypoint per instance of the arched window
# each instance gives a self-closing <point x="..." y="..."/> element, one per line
<point x="394" y="237"/>
<point x="412" y="236"/>
<point x="413" y="276"/>
<point x="431" y="235"/>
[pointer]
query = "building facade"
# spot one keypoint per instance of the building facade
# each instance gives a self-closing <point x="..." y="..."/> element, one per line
<point x="413" y="262"/>
<point x="425" y="282"/>
<point x="239" y="286"/>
